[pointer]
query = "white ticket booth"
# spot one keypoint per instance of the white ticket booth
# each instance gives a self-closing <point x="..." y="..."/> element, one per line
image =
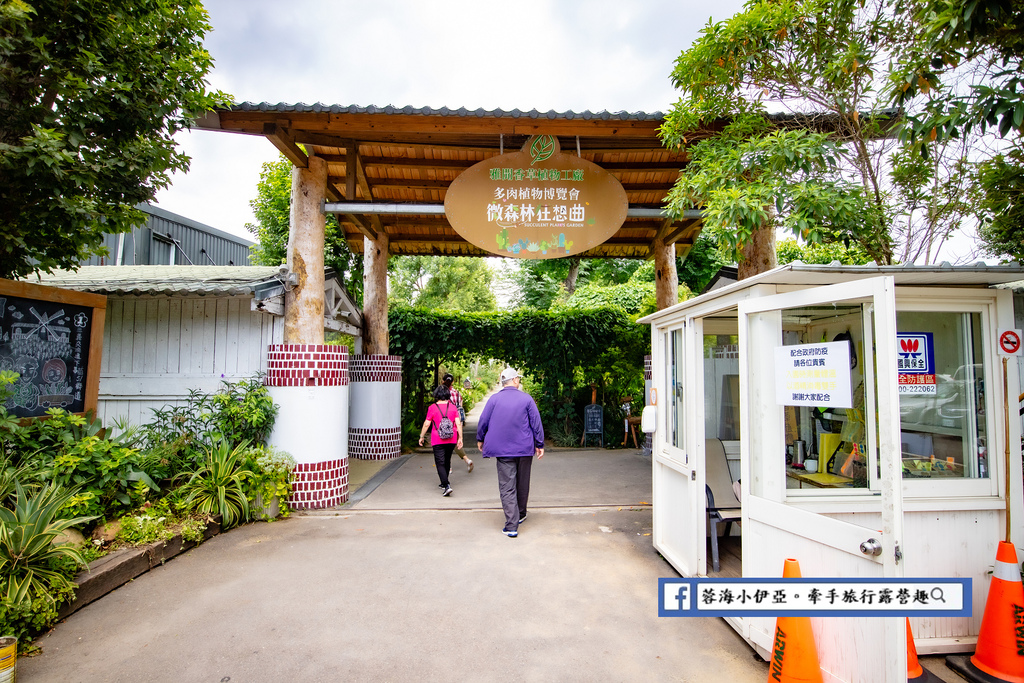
<point x="892" y="380"/>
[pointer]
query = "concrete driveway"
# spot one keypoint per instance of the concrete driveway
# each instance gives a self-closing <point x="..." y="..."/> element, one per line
<point x="404" y="585"/>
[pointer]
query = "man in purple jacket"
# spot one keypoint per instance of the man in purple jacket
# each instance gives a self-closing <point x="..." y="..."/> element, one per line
<point x="510" y="431"/>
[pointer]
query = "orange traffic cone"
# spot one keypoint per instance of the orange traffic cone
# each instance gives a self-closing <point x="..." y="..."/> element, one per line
<point x="999" y="656"/>
<point x="794" y="657"/>
<point x="915" y="672"/>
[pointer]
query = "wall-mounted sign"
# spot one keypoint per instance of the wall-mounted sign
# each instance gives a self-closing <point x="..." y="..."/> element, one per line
<point x="536" y="203"/>
<point x="915" y="362"/>
<point x="813" y="375"/>
<point x="1009" y="342"/>
<point x="53" y="339"/>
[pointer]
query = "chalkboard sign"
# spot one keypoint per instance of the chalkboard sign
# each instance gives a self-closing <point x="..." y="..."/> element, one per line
<point x="593" y="422"/>
<point x="52" y="339"/>
<point x="593" y="419"/>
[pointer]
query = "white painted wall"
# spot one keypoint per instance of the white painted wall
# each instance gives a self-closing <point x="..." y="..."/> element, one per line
<point x="312" y="423"/>
<point x="157" y="348"/>
<point x="375" y="405"/>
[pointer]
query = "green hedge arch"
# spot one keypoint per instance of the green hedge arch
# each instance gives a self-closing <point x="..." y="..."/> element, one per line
<point x="562" y="350"/>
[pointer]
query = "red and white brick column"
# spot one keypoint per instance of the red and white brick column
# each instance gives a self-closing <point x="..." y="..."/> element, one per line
<point x="375" y="406"/>
<point x="310" y="384"/>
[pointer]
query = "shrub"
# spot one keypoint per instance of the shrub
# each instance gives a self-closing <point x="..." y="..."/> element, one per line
<point x="239" y="412"/>
<point x="218" y="485"/>
<point x="27" y="532"/>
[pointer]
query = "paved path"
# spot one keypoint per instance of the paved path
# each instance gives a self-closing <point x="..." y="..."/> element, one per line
<point x="404" y="585"/>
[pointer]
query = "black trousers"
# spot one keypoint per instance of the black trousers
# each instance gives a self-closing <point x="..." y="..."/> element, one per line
<point x="443" y="460"/>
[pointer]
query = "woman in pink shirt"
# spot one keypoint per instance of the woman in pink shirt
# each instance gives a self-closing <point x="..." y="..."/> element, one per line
<point x="445" y="434"/>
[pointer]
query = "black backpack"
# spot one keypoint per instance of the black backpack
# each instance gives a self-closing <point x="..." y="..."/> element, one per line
<point x="445" y="428"/>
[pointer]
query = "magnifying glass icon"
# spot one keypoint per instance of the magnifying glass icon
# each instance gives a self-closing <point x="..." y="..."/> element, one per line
<point x="938" y="595"/>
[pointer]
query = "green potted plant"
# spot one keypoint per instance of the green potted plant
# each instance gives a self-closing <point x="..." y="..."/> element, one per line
<point x="271" y="483"/>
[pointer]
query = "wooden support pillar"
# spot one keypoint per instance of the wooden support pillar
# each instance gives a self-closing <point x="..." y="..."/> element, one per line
<point x="304" y="302"/>
<point x="666" y="280"/>
<point x="375" y="294"/>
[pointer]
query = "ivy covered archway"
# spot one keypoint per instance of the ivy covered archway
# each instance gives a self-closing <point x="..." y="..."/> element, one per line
<point x="565" y="351"/>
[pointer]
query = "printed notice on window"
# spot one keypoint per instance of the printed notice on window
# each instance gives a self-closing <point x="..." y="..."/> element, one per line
<point x="816" y="375"/>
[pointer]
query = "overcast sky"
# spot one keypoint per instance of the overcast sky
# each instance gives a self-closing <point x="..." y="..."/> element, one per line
<point x="562" y="55"/>
<point x="565" y="55"/>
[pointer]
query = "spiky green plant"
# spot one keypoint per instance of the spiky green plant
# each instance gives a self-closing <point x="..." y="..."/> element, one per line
<point x="27" y="532"/>
<point x="218" y="485"/>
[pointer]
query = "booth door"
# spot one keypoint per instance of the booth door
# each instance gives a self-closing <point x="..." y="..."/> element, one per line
<point x="824" y="528"/>
<point x="678" y="466"/>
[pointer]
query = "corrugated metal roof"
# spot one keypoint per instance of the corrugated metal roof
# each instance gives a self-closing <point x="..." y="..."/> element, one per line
<point x="319" y="107"/>
<point x="221" y="280"/>
<point x="808" y="275"/>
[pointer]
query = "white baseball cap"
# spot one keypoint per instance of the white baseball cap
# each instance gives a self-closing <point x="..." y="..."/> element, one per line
<point x="508" y="374"/>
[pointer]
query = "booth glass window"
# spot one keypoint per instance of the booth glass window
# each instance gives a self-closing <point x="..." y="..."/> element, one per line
<point x="722" y="387"/>
<point x="827" y="444"/>
<point x="942" y="395"/>
<point x="676" y="384"/>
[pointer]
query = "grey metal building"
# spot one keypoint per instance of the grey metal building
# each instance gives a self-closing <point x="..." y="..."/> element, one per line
<point x="168" y="239"/>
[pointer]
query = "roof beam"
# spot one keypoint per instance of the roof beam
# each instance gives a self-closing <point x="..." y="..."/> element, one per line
<point x="395" y="208"/>
<point x="284" y="142"/>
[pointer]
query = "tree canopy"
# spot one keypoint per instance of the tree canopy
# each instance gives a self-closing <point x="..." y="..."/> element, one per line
<point x="91" y="93"/>
<point x="966" y="67"/>
<point x="786" y="128"/>
<point x="272" y="209"/>
<point x="451" y="283"/>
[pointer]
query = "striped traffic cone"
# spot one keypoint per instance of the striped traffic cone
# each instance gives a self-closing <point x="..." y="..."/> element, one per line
<point x="794" y="657"/>
<point x="915" y="672"/>
<point x="999" y="657"/>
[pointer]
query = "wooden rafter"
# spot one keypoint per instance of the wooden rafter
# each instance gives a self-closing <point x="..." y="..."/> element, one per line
<point x="397" y="157"/>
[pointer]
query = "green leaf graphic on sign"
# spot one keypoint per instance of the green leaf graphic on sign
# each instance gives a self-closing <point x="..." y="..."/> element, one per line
<point x="542" y="148"/>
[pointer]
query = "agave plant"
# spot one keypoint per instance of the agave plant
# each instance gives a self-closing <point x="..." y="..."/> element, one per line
<point x="27" y="532"/>
<point x="218" y="486"/>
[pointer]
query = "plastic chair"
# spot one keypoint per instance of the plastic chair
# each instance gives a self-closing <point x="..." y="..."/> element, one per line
<point x="722" y="504"/>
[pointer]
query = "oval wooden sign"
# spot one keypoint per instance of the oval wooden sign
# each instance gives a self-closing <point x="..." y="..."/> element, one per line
<point x="536" y="203"/>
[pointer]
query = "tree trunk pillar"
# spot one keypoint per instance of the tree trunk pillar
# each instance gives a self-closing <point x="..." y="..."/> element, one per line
<point x="375" y="295"/>
<point x="666" y="280"/>
<point x="307" y="379"/>
<point x="304" y="303"/>
<point x="757" y="255"/>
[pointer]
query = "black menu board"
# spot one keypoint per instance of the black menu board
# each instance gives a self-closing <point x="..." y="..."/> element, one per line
<point x="47" y="343"/>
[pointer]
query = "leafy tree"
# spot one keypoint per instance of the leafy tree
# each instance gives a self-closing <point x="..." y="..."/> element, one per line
<point x="272" y="209"/>
<point x="790" y="250"/>
<point x="91" y="94"/>
<point x="1000" y="200"/>
<point x="539" y="283"/>
<point x="701" y="264"/>
<point x="453" y="283"/>
<point x="966" y="63"/>
<point x="825" y="170"/>
<point x="966" y="60"/>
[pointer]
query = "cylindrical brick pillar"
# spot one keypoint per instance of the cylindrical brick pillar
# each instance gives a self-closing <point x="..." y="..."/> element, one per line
<point x="375" y="407"/>
<point x="310" y="384"/>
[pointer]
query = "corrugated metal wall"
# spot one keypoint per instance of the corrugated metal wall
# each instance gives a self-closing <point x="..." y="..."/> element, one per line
<point x="170" y="239"/>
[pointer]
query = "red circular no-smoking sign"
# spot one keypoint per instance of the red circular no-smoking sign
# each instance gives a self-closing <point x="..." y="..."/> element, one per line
<point x="1009" y="341"/>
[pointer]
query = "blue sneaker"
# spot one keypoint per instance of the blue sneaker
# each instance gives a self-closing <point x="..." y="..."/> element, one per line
<point x="510" y="534"/>
<point x="523" y="518"/>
